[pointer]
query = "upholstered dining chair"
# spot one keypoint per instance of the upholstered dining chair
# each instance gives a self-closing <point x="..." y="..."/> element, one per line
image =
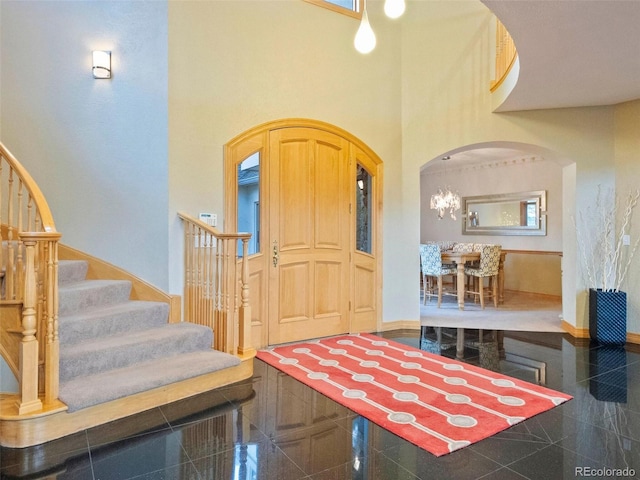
<point x="463" y="247"/>
<point x="431" y="265"/>
<point x="488" y="268"/>
<point x="446" y="244"/>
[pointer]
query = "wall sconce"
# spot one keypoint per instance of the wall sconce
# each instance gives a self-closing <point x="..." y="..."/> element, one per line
<point x="101" y="64"/>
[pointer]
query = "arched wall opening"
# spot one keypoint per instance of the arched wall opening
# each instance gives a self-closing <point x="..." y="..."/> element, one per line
<point x="534" y="264"/>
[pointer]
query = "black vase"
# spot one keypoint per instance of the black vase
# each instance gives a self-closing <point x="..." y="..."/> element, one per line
<point x="608" y="316"/>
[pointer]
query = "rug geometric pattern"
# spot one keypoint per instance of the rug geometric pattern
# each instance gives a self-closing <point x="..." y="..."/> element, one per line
<point x="436" y="403"/>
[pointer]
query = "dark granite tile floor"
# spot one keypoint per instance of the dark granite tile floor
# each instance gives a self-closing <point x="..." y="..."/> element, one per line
<point x="273" y="427"/>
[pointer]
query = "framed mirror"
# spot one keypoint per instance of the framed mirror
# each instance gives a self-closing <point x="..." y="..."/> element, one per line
<point x="522" y="213"/>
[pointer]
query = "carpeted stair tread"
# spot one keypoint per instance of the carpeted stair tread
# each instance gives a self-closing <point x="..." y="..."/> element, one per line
<point x="112" y="319"/>
<point x="112" y="347"/>
<point x="71" y="271"/>
<point x="80" y="296"/>
<point x="85" y="391"/>
<point x="118" y="351"/>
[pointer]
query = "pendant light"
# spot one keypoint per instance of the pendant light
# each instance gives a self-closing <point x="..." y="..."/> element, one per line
<point x="365" y="40"/>
<point x="394" y="8"/>
<point x="445" y="199"/>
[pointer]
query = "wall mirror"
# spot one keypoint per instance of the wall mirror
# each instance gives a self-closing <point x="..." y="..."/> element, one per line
<point x="522" y="213"/>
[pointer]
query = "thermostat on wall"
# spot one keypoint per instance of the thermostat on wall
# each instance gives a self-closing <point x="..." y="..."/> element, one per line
<point x="209" y="219"/>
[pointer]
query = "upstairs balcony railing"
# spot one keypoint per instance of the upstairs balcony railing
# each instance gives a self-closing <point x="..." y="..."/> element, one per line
<point x="506" y="55"/>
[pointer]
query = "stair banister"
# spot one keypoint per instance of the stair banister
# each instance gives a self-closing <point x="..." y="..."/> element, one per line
<point x="217" y="284"/>
<point x="29" y="400"/>
<point x="245" y="345"/>
<point x="29" y="267"/>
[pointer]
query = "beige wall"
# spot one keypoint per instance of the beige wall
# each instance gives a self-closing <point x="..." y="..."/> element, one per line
<point x="627" y="148"/>
<point x="447" y="106"/>
<point x="422" y="93"/>
<point x="234" y="64"/>
<point x="533" y="273"/>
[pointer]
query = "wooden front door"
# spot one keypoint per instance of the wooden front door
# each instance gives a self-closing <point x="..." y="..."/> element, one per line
<point x="309" y="226"/>
<point x="312" y="270"/>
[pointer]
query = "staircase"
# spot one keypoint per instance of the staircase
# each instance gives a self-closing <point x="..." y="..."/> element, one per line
<point x="87" y="351"/>
<point x="112" y="347"/>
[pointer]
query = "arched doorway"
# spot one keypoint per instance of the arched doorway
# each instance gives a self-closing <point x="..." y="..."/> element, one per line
<point x="535" y="265"/>
<point x="311" y="195"/>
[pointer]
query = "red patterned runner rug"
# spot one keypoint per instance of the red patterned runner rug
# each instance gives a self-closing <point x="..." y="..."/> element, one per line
<point x="436" y="403"/>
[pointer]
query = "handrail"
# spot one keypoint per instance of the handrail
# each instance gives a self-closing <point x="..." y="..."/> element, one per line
<point x="29" y="281"/>
<point x="216" y="286"/>
<point x="42" y="207"/>
<point x="506" y="55"/>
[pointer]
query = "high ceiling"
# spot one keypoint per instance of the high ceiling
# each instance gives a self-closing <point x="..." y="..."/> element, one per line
<point x="572" y="53"/>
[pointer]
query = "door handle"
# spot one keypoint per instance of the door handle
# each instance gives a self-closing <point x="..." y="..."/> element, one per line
<point x="276" y="253"/>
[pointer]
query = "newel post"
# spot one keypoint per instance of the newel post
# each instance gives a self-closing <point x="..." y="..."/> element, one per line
<point x="29" y="401"/>
<point x="244" y="342"/>
<point x="52" y="350"/>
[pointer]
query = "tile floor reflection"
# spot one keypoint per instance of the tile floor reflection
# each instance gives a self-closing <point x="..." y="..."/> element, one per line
<point x="273" y="427"/>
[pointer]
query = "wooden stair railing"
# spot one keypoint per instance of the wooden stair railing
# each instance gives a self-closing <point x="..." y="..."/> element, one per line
<point x="506" y="55"/>
<point x="28" y="286"/>
<point x="216" y="286"/>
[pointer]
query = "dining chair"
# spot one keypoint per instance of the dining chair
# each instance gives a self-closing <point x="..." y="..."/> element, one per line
<point x="463" y="247"/>
<point x="431" y="266"/>
<point x="487" y="268"/>
<point x="466" y="248"/>
<point x="446" y="245"/>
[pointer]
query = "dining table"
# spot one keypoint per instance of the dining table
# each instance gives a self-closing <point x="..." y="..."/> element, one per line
<point x="461" y="259"/>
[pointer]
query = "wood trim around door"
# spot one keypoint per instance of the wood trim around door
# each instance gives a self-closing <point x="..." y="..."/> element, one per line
<point x="256" y="139"/>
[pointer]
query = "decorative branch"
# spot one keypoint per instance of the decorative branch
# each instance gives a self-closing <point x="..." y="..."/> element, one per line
<point x="602" y="249"/>
<point x="632" y="201"/>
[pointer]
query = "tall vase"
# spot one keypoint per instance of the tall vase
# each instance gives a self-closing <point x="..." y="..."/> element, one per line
<point x="608" y="316"/>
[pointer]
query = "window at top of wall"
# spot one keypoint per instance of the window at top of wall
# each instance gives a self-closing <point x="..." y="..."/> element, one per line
<point x="348" y="7"/>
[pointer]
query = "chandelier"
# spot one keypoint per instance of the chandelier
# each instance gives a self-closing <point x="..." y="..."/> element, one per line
<point x="445" y="200"/>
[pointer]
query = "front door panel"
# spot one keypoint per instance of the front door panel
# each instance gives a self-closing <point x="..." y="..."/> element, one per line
<point x="309" y="225"/>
